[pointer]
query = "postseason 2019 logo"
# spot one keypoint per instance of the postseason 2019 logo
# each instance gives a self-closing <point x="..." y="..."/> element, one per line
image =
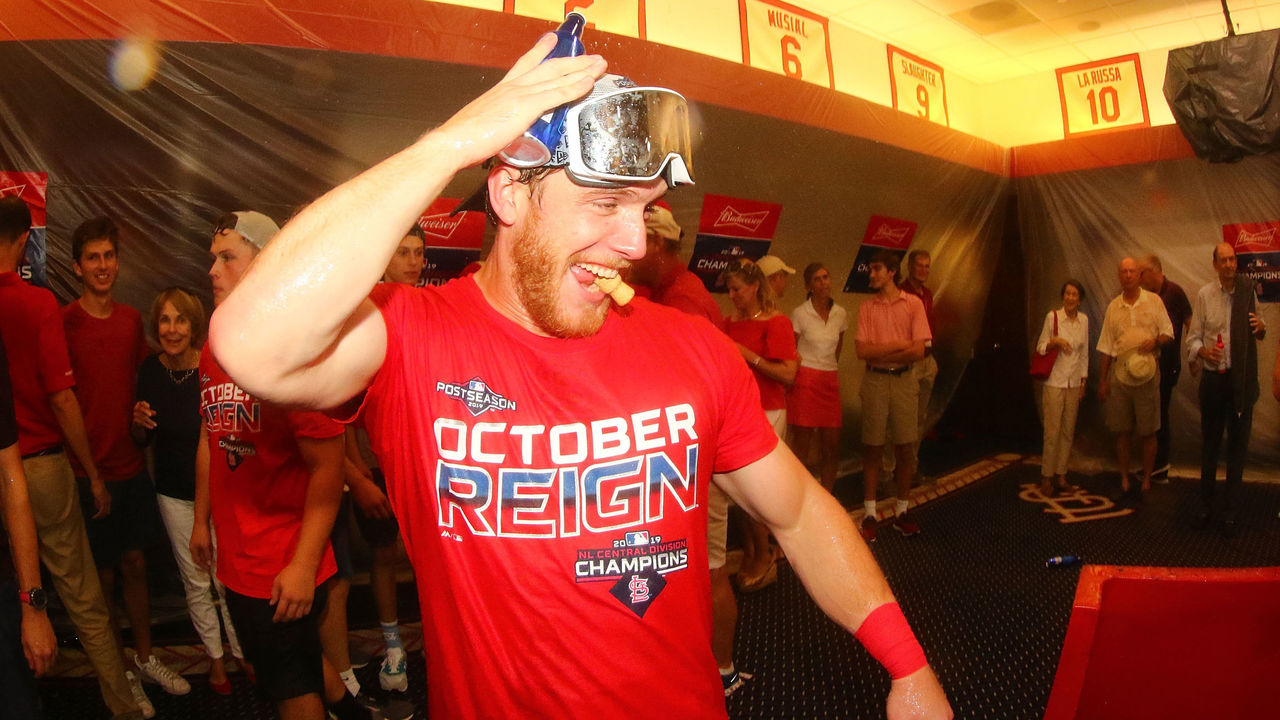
<point x="636" y="563"/>
<point x="476" y="395"/>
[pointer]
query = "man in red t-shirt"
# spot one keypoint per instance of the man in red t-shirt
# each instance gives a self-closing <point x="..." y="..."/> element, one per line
<point x="549" y="452"/>
<point x="271" y="481"/>
<point x="107" y="344"/>
<point x="49" y="416"/>
<point x="665" y="274"/>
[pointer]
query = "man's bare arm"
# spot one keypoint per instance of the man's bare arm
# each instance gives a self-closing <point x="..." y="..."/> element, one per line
<point x="830" y="557"/>
<point x="298" y="329"/>
<point x="877" y="352"/>
<point x="294" y="588"/>
<point x="38" y="641"/>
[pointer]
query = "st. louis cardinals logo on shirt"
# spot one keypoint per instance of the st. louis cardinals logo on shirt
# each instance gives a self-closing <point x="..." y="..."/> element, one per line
<point x="636" y="563"/>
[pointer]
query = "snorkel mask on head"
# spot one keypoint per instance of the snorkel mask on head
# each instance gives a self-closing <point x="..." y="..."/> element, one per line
<point x="617" y="135"/>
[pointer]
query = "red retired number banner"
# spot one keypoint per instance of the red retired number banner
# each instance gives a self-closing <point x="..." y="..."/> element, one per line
<point x="31" y="187"/>
<point x="1257" y="247"/>
<point x="883" y="233"/>
<point x="729" y="229"/>
<point x="453" y="242"/>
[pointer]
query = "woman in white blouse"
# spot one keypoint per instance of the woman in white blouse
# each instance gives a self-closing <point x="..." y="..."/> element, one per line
<point x="1065" y="386"/>
<point x="813" y="404"/>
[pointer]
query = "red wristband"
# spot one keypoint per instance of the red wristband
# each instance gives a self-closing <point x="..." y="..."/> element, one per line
<point x="887" y="636"/>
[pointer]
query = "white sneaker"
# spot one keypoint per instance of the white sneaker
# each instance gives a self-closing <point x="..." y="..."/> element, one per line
<point x="140" y="696"/>
<point x="157" y="672"/>
<point x="392" y="675"/>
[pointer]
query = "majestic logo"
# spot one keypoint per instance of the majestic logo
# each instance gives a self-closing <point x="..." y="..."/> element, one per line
<point x="887" y="234"/>
<point x="1259" y="241"/>
<point x="441" y="226"/>
<point x="636" y="564"/>
<point x="748" y="220"/>
<point x="476" y="395"/>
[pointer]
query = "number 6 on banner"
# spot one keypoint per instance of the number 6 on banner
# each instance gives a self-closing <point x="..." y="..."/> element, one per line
<point x="786" y="40"/>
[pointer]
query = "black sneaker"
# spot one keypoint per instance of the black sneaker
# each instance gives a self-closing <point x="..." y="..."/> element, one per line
<point x="905" y="525"/>
<point x="869" y="528"/>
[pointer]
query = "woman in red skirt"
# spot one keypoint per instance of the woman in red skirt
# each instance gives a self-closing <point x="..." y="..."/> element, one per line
<point x="813" y="405"/>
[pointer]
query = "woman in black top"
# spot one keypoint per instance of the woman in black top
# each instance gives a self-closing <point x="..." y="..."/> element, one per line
<point x="167" y="418"/>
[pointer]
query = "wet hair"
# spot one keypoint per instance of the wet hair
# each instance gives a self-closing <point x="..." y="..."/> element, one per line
<point x="528" y="176"/>
<point x="99" y="228"/>
<point x="1075" y="284"/>
<point x="15" y="218"/>
<point x="749" y="272"/>
<point x="187" y="305"/>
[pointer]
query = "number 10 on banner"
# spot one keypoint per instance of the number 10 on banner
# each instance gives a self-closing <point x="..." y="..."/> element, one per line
<point x="1102" y="95"/>
<point x="917" y="86"/>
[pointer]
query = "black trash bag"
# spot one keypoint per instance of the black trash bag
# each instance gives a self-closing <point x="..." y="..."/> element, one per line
<point x="1223" y="95"/>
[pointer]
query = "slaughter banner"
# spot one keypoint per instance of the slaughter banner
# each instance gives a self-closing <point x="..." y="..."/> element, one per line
<point x="453" y="242"/>
<point x="729" y="229"/>
<point x="1257" y="255"/>
<point x="31" y="187"/>
<point x="883" y="233"/>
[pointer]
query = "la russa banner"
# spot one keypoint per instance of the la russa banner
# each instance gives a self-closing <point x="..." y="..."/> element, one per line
<point x="453" y="242"/>
<point x="1257" y="247"/>
<point x="32" y="188"/>
<point x="730" y="229"/>
<point x="883" y="233"/>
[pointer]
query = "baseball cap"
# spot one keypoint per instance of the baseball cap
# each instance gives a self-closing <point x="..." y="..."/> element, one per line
<point x="770" y="265"/>
<point x="662" y="223"/>
<point x="255" y="227"/>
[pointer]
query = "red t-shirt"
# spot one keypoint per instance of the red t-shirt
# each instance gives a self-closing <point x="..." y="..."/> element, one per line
<point x="105" y="355"/>
<point x="552" y="494"/>
<point x="31" y="327"/>
<point x="684" y="291"/>
<point x="257" y="481"/>
<point x="773" y="339"/>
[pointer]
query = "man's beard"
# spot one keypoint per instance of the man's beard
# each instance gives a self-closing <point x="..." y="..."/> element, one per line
<point x="538" y="279"/>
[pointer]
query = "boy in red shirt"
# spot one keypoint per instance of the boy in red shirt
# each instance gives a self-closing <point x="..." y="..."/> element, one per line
<point x="106" y="344"/>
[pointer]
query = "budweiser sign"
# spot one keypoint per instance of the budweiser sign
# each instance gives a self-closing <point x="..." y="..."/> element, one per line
<point x="887" y="232"/>
<point x="738" y="217"/>
<point x="751" y="221"/>
<point x="441" y="225"/>
<point x="1252" y="237"/>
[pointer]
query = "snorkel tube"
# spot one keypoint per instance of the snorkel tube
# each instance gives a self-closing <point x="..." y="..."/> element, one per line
<point x="533" y="148"/>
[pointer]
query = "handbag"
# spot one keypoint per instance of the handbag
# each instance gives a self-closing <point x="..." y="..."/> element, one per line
<point x="1042" y="363"/>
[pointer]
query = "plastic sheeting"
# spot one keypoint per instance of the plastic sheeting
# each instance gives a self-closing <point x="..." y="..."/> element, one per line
<point x="225" y="127"/>
<point x="1081" y="224"/>
<point x="1223" y="95"/>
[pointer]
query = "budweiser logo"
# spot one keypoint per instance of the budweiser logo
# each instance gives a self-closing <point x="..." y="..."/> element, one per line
<point x="886" y="233"/>
<point x="12" y="190"/>
<point x="1261" y="240"/>
<point x="751" y="221"/>
<point x="441" y="226"/>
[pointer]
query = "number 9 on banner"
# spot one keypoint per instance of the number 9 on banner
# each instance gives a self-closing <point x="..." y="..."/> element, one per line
<point x="917" y="86"/>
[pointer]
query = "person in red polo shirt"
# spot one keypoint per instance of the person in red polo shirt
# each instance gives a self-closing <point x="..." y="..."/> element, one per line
<point x="49" y="414"/>
<point x="107" y="344"/>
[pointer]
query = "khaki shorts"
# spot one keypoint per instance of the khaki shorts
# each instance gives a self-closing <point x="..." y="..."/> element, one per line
<point x="890" y="408"/>
<point x="1133" y="408"/>
<point x="718" y="503"/>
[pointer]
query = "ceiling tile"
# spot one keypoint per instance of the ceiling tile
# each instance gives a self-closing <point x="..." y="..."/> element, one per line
<point x="946" y="7"/>
<point x="1144" y="13"/>
<point x="996" y="71"/>
<point x="879" y="16"/>
<point x="995" y="16"/>
<point x="1095" y="23"/>
<point x="1213" y="27"/>
<point x="1269" y="15"/>
<point x="1111" y="46"/>
<point x="1054" y="9"/>
<point x="1025" y="39"/>
<point x="930" y="35"/>
<point x="1170" y="35"/>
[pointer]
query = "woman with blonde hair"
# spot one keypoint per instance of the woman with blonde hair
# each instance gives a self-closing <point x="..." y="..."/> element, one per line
<point x="767" y="342"/>
<point x="166" y="417"/>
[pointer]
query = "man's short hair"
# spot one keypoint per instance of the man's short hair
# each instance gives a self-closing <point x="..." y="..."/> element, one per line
<point x="889" y="259"/>
<point x="1153" y="261"/>
<point x="914" y="254"/>
<point x="188" y="305"/>
<point x="416" y="231"/>
<point x="15" y="218"/>
<point x="98" y="228"/>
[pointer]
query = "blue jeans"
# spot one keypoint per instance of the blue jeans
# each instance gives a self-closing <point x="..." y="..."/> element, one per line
<point x="17" y="686"/>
